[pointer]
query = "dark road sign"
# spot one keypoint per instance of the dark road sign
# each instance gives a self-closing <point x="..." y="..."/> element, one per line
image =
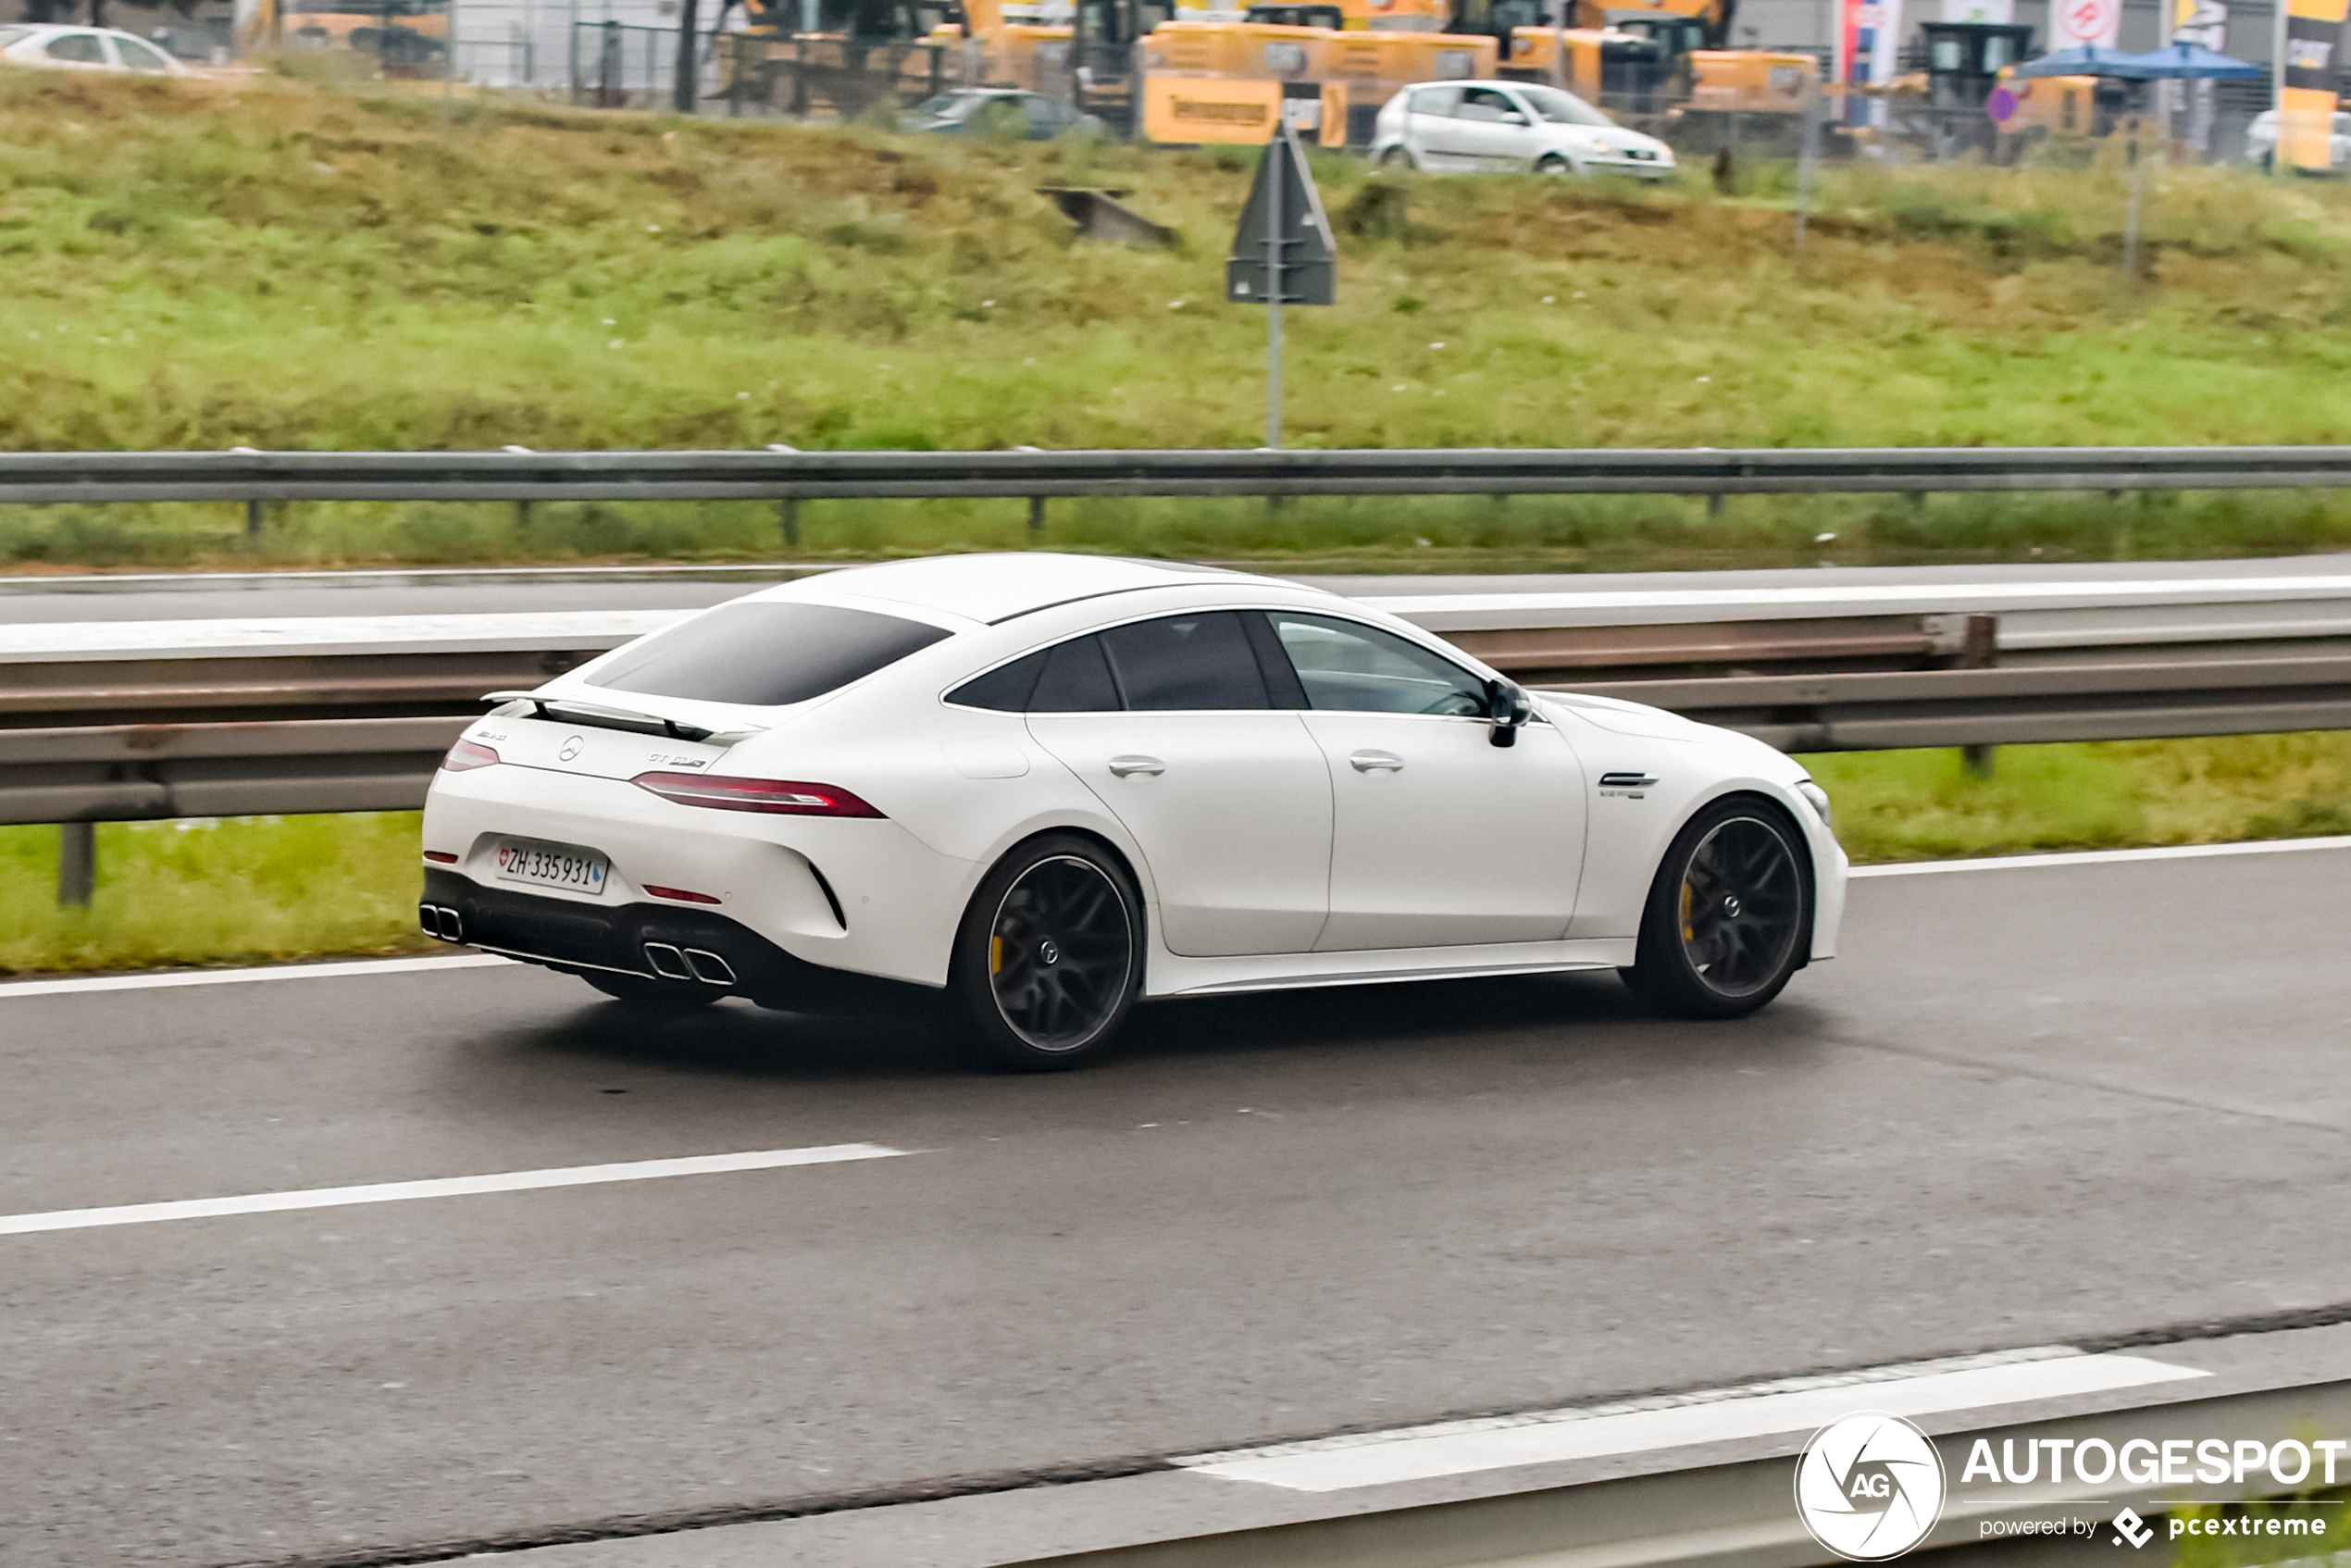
<point x="1308" y="259"/>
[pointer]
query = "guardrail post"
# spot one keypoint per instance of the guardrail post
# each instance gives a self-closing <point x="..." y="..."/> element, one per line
<point x="77" y="863"/>
<point x="1036" y="517"/>
<point x="788" y="511"/>
<point x="1979" y="649"/>
<point x="252" y="519"/>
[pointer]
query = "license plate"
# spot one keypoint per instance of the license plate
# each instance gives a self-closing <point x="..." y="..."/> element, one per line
<point x="552" y="865"/>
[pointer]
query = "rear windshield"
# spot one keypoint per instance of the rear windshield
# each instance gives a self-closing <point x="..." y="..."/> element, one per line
<point x="763" y="653"/>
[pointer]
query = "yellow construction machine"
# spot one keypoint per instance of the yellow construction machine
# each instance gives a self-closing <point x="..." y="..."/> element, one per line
<point x="403" y="35"/>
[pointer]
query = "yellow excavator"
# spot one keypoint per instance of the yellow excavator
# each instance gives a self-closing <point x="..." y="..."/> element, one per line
<point x="1668" y="64"/>
<point x="403" y="35"/>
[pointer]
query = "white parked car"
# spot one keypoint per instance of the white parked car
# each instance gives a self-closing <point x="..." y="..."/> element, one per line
<point x="85" y="48"/>
<point x="1050" y="786"/>
<point x="2261" y="139"/>
<point x="1448" y="126"/>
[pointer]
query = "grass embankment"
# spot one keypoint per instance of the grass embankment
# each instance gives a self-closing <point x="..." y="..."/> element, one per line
<point x="292" y="266"/>
<point x="262" y="889"/>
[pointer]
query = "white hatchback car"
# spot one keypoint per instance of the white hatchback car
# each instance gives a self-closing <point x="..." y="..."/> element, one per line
<point x="1050" y="786"/>
<point x="1448" y="126"/>
<point x="85" y="48"/>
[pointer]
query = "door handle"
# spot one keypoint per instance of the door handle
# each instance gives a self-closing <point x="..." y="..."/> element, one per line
<point x="1374" y="761"/>
<point x="1150" y="767"/>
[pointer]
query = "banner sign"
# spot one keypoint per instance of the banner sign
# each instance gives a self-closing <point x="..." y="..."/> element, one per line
<point x="2306" y="102"/>
<point x="2086" y="21"/>
<point x="1868" y="31"/>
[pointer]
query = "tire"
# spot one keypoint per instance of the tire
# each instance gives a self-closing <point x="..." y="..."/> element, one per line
<point x="1554" y="165"/>
<point x="1399" y="159"/>
<point x="1050" y="956"/>
<point x="1729" y="917"/>
<point x="663" y="997"/>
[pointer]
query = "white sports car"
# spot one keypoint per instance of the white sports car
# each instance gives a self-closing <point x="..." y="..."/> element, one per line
<point x="1052" y="786"/>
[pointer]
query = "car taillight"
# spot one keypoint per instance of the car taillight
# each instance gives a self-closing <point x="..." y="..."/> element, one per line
<point x="469" y="755"/>
<point x="781" y="797"/>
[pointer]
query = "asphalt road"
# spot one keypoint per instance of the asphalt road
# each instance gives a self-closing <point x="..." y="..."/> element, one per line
<point x="222" y="595"/>
<point x="2028" y="1105"/>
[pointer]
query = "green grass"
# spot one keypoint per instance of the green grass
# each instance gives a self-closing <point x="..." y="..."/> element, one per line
<point x="259" y="889"/>
<point x="1925" y="806"/>
<point x="235" y="890"/>
<point x="298" y="265"/>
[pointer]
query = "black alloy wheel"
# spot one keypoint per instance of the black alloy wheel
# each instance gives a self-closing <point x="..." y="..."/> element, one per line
<point x="1729" y="917"/>
<point x="1050" y="957"/>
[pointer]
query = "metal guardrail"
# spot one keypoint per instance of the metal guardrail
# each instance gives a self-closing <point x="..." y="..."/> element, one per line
<point x="40" y="478"/>
<point x="222" y="717"/>
<point x="119" y="720"/>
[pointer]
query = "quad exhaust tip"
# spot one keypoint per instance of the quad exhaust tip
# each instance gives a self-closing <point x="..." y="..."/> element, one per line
<point x="709" y="968"/>
<point x="667" y="962"/>
<point x="689" y="964"/>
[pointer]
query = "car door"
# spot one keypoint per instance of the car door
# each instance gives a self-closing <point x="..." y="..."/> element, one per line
<point x="1491" y="130"/>
<point x="136" y="56"/>
<point x="1169" y="722"/>
<point x="1429" y="128"/>
<point x="1439" y="837"/>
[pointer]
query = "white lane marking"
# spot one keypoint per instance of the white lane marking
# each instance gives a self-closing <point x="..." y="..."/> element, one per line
<point x="444" y="1186"/>
<point x="1463" y="1448"/>
<point x="2099" y="857"/>
<point x="356" y="968"/>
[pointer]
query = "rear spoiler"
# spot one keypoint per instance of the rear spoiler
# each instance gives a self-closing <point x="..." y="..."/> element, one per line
<point x="595" y="716"/>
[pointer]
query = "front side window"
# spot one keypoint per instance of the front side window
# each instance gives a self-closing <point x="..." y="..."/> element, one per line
<point x="137" y="56"/>
<point x="1348" y="668"/>
<point x="765" y="654"/>
<point x="1563" y="108"/>
<point x="1484" y="104"/>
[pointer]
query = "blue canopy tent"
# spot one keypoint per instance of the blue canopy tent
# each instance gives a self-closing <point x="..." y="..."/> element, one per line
<point x="2184" y="61"/>
<point x="2091" y="59"/>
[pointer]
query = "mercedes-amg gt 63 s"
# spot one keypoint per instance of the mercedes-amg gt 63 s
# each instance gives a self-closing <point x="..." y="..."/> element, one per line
<point x="1050" y="786"/>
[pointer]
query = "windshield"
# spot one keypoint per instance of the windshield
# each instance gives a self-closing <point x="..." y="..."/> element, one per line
<point x="763" y="653"/>
<point x="952" y="106"/>
<point x="11" y="34"/>
<point x="1561" y="108"/>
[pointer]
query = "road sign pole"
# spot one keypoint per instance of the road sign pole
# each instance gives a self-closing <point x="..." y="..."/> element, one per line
<point x="1276" y="150"/>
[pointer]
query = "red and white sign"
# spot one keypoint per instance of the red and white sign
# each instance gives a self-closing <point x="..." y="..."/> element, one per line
<point x="2087" y="21"/>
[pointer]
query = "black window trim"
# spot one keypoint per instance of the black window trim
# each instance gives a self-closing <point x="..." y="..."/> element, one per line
<point x="1284" y="689"/>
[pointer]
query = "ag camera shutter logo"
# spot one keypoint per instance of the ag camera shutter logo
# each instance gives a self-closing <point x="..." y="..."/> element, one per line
<point x="1870" y="1487"/>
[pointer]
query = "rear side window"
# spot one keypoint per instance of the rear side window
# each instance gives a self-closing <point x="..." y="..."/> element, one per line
<point x="1178" y="662"/>
<point x="765" y="654"/>
<point x="1203" y="661"/>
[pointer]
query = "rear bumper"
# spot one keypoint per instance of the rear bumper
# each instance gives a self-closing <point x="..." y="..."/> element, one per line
<point x="685" y="947"/>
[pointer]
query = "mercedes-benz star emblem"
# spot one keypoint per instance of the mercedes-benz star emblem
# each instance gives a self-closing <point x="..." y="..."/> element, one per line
<point x="571" y="749"/>
<point x="1048" y="952"/>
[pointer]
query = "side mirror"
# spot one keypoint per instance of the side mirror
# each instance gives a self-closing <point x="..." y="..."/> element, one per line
<point x="1508" y="705"/>
<point x="1511" y="116"/>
